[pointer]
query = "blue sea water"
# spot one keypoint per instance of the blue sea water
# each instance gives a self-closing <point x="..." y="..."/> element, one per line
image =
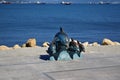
<point x="19" y="22"/>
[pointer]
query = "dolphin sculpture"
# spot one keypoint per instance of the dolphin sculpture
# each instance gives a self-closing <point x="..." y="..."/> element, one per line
<point x="61" y="48"/>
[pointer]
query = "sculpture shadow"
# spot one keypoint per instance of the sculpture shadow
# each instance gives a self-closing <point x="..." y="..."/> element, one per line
<point x="44" y="57"/>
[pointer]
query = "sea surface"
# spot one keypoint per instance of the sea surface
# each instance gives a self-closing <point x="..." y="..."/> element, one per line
<point x="92" y="23"/>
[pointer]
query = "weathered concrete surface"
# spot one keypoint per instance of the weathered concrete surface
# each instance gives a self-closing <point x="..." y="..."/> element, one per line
<point x="98" y="63"/>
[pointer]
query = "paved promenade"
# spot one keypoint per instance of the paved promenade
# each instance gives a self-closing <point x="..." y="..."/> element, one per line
<point x="98" y="63"/>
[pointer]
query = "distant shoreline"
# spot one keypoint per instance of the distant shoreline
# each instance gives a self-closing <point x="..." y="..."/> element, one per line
<point x="65" y="4"/>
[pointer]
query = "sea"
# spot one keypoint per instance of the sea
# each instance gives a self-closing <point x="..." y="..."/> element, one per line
<point x="83" y="22"/>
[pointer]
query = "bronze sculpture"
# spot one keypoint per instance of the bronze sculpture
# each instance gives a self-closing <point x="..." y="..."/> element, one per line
<point x="61" y="48"/>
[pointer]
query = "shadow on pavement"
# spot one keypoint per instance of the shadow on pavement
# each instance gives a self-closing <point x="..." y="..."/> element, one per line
<point x="44" y="57"/>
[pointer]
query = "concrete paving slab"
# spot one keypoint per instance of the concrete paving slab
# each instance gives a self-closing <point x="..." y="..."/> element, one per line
<point x="25" y="64"/>
<point x="99" y="73"/>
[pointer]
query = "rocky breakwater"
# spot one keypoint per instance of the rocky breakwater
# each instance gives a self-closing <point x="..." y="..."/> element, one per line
<point x="45" y="44"/>
<point x="109" y="42"/>
<point x="30" y="43"/>
<point x="103" y="43"/>
<point x="3" y="47"/>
